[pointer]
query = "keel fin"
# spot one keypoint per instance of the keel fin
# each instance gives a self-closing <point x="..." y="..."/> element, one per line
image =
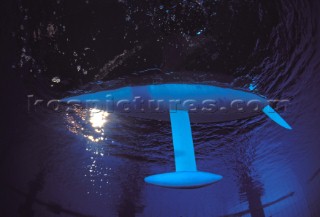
<point x="186" y="174"/>
<point x="182" y="141"/>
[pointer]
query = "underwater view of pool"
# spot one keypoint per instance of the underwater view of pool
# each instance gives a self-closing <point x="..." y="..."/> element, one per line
<point x="80" y="159"/>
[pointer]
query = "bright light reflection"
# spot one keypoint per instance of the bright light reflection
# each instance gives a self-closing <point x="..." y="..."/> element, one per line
<point x="90" y="124"/>
<point x="95" y="117"/>
<point x="98" y="118"/>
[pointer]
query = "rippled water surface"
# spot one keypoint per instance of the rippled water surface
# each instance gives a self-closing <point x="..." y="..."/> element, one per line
<point x="87" y="162"/>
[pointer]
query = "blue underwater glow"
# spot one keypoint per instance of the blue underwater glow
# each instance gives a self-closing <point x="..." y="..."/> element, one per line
<point x="186" y="175"/>
<point x="252" y="86"/>
<point x="212" y="103"/>
<point x="182" y="141"/>
<point x="90" y="159"/>
<point x="180" y="122"/>
<point x="183" y="179"/>
<point x="273" y="115"/>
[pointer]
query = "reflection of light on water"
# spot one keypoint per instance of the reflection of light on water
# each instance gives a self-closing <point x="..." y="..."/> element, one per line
<point x="91" y="123"/>
<point x="98" y="176"/>
<point x="98" y="118"/>
<point x="94" y="139"/>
